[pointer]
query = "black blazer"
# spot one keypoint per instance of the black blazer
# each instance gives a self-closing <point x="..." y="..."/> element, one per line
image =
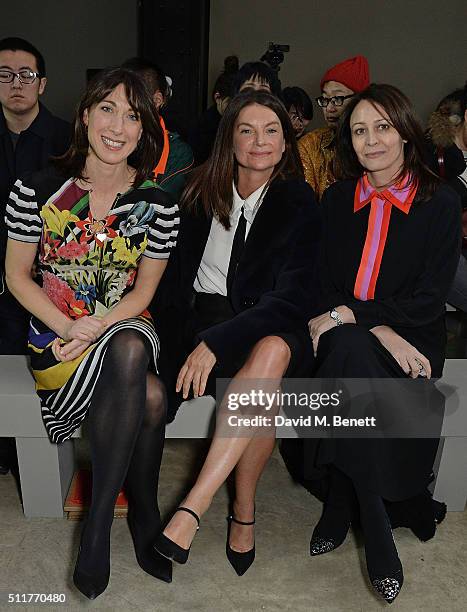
<point x="418" y="266"/>
<point x="46" y="136"/>
<point x="274" y="289"/>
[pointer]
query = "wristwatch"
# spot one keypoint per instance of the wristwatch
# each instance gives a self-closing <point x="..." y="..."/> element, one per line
<point x="335" y="316"/>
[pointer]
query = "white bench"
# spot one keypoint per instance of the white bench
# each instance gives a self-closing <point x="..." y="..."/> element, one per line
<point x="46" y="469"/>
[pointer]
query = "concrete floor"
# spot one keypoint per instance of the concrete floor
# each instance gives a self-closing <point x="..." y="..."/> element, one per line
<point x="37" y="555"/>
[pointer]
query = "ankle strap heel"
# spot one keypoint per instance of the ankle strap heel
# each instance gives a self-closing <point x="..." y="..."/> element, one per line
<point x="240" y="561"/>
<point x="190" y="511"/>
<point x="168" y="548"/>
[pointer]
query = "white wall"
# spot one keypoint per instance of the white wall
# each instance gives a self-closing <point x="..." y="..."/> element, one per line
<point x="73" y="35"/>
<point x="416" y="45"/>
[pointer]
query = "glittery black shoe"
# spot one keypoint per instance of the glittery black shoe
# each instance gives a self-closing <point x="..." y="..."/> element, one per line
<point x="388" y="586"/>
<point x="322" y="540"/>
<point x="320" y="546"/>
<point x="240" y="561"/>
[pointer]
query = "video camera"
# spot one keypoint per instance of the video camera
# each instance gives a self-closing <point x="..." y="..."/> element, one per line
<point x="275" y="55"/>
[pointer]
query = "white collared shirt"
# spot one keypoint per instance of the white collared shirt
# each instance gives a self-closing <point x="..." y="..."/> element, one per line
<point x="212" y="272"/>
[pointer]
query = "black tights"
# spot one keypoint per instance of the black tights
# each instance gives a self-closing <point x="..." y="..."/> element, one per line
<point x="380" y="549"/>
<point x="339" y="508"/>
<point x="344" y="502"/>
<point x="126" y="428"/>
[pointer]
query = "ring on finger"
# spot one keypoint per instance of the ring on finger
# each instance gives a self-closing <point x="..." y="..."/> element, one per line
<point x="421" y="368"/>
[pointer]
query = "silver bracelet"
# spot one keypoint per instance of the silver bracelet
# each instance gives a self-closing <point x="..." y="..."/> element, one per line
<point x="335" y="316"/>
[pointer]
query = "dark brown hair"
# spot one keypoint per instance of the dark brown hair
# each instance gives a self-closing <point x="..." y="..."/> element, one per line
<point x="210" y="187"/>
<point x="146" y="155"/>
<point x="403" y="118"/>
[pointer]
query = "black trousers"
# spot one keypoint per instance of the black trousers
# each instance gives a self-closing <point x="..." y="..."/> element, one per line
<point x="396" y="469"/>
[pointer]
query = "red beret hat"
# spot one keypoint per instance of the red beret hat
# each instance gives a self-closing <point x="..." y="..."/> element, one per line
<point x="354" y="73"/>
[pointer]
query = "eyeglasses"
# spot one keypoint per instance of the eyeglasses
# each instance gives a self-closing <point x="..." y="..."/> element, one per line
<point x="26" y="77"/>
<point x="297" y="118"/>
<point x="335" y="100"/>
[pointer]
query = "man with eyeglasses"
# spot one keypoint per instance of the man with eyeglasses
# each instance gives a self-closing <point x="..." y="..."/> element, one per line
<point x="29" y="136"/>
<point x="316" y="148"/>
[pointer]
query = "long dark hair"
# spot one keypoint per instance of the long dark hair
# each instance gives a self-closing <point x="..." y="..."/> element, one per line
<point x="403" y="118"/>
<point x="146" y="155"/>
<point x="210" y="187"/>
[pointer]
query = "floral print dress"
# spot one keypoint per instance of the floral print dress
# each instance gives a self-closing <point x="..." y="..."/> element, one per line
<point x="86" y="266"/>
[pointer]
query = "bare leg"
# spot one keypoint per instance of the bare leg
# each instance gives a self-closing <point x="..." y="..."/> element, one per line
<point x="247" y="474"/>
<point x="269" y="359"/>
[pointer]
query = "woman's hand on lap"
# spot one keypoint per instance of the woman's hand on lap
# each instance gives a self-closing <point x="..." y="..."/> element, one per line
<point x="323" y="323"/>
<point x="87" y="329"/>
<point x="319" y="325"/>
<point x="69" y="351"/>
<point x="407" y="356"/>
<point x="195" y="371"/>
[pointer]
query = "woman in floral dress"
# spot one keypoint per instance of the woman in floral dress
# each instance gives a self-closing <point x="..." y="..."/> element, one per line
<point x="103" y="234"/>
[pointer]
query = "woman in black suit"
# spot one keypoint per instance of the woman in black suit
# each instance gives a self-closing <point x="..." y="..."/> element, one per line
<point x="236" y="307"/>
<point x="390" y="249"/>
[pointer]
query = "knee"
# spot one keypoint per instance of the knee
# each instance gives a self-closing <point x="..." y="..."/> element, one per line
<point x="271" y="355"/>
<point x="155" y="390"/>
<point x="156" y="402"/>
<point x="128" y="351"/>
<point x="133" y="344"/>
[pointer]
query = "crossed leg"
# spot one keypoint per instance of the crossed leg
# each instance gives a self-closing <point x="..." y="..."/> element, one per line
<point x="269" y="360"/>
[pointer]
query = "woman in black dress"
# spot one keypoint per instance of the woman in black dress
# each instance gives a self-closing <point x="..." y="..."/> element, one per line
<point x="238" y="311"/>
<point x="391" y="245"/>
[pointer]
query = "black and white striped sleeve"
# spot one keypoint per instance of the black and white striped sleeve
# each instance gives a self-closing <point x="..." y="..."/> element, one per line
<point x="22" y="214"/>
<point x="163" y="231"/>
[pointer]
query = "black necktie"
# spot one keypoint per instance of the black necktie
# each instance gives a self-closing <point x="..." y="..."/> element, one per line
<point x="237" y="249"/>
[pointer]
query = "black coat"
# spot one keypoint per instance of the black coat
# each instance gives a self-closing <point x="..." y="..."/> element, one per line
<point x="417" y="269"/>
<point x="274" y="289"/>
<point x="47" y="136"/>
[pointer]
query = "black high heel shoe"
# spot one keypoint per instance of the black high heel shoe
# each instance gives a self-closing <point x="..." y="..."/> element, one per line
<point x="388" y="586"/>
<point x="168" y="548"/>
<point x="382" y="560"/>
<point x="322" y="540"/>
<point x="339" y="510"/>
<point x="148" y="558"/>
<point x="240" y="561"/>
<point x="89" y="585"/>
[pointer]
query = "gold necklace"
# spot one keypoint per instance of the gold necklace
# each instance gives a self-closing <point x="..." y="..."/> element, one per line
<point x="101" y="217"/>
